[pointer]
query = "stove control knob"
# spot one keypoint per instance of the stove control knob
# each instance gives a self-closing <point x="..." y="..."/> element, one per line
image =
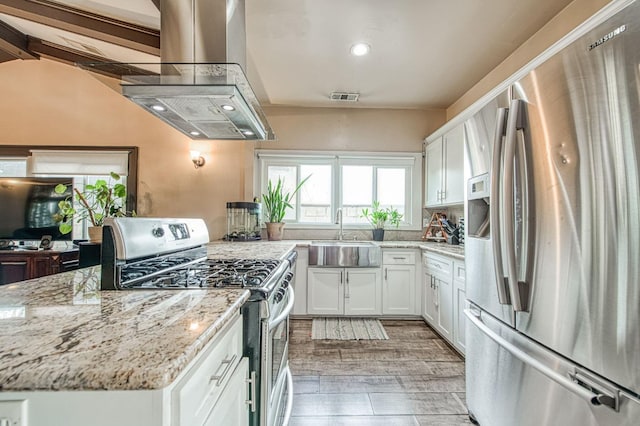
<point x="157" y="232"/>
<point x="279" y="295"/>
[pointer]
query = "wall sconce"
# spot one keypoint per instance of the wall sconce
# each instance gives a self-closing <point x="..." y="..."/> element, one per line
<point x="198" y="160"/>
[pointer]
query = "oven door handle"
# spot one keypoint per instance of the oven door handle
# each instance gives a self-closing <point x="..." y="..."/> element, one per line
<point x="285" y="313"/>
<point x="287" y="412"/>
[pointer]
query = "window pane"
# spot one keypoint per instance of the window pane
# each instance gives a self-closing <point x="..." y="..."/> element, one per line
<point x="10" y="167"/>
<point x="357" y="185"/>
<point x="289" y="176"/>
<point x="391" y="188"/>
<point x="357" y="192"/>
<point x="315" y="194"/>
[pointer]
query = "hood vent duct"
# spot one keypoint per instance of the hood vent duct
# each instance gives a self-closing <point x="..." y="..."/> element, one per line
<point x="199" y="86"/>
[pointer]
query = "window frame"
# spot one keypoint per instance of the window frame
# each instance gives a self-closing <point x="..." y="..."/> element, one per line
<point x="410" y="161"/>
<point x="79" y="231"/>
<point x="24" y="151"/>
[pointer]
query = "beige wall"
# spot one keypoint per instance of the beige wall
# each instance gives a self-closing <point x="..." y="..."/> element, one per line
<point x="351" y="129"/>
<point x="569" y="18"/>
<point x="48" y="103"/>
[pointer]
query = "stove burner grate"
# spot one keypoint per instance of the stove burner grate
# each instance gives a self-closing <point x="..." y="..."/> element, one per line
<point x="207" y="273"/>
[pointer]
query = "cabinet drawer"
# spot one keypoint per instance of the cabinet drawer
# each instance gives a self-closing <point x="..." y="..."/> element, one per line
<point x="437" y="265"/>
<point x="398" y="258"/>
<point x="204" y="384"/>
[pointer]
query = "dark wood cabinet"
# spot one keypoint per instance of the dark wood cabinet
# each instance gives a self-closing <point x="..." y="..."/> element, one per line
<point x="13" y="268"/>
<point x="20" y="265"/>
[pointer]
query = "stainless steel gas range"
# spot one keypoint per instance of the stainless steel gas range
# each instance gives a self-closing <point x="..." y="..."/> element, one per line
<point x="170" y="254"/>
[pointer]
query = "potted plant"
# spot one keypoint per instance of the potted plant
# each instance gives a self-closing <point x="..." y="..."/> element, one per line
<point x="378" y="218"/>
<point x="96" y="202"/>
<point x="276" y="202"/>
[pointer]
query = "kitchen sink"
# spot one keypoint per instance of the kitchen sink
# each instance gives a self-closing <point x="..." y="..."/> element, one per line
<point x="344" y="254"/>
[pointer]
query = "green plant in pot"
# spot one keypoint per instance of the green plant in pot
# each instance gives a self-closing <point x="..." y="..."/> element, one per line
<point x="379" y="217"/>
<point x="96" y="202"/>
<point x="276" y="202"/>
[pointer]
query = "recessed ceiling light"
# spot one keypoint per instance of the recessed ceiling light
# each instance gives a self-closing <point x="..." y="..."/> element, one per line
<point x="228" y="108"/>
<point x="194" y="133"/>
<point x="158" y="107"/>
<point x="248" y="132"/>
<point x="360" y="49"/>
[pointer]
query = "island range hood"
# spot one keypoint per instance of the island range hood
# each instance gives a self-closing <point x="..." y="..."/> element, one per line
<point x="199" y="86"/>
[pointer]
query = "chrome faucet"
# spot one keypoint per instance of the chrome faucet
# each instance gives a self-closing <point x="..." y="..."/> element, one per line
<point x="338" y="221"/>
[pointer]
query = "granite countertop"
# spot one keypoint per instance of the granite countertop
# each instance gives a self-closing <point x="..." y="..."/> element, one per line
<point x="61" y="333"/>
<point x="439" y="248"/>
<point x="250" y="249"/>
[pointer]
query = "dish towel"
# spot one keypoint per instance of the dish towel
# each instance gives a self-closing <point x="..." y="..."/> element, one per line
<point x="347" y="329"/>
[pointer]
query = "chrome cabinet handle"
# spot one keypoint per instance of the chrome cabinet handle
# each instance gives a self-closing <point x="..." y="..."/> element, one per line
<point x="227" y="364"/>
<point x="399" y="258"/>
<point x="251" y="402"/>
<point x="346" y="287"/>
<point x="385" y="273"/>
<point x="436" y="293"/>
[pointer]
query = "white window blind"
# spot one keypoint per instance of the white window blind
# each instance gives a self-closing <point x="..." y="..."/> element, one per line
<point x="86" y="163"/>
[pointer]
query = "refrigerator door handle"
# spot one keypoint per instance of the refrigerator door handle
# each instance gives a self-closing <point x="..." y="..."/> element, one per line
<point x="518" y="290"/>
<point x="592" y="395"/>
<point x="607" y="394"/>
<point x="496" y="208"/>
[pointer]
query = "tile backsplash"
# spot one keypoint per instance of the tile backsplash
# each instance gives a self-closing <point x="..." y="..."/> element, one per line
<point x="454" y="213"/>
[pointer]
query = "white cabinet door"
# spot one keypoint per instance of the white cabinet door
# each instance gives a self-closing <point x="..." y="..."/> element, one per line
<point x="231" y="408"/>
<point x="300" y="284"/>
<point x="428" y="299"/>
<point x="444" y="164"/>
<point x="433" y="173"/>
<point x="399" y="290"/>
<point x="438" y="277"/>
<point x="459" y="300"/>
<point x="325" y="293"/>
<point x="444" y="307"/>
<point x="453" y="167"/>
<point x="362" y="292"/>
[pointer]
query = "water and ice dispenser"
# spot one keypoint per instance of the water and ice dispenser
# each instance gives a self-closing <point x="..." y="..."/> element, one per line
<point x="477" y="221"/>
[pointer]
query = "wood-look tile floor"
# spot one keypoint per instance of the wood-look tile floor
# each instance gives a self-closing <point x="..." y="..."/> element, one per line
<point x="413" y="379"/>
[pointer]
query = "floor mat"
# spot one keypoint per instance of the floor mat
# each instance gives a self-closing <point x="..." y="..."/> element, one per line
<point x="348" y="329"/>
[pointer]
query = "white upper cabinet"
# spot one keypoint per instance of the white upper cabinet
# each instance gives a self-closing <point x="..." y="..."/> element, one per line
<point x="444" y="164"/>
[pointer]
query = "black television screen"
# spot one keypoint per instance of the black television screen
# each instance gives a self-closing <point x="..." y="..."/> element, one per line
<point x="28" y="206"/>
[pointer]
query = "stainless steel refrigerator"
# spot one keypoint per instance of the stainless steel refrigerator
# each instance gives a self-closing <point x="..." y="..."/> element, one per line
<point x="553" y="239"/>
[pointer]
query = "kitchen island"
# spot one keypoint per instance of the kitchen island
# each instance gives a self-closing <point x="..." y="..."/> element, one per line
<point x="115" y="357"/>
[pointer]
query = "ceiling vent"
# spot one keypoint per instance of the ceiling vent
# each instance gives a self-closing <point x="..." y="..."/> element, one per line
<point x="344" y="96"/>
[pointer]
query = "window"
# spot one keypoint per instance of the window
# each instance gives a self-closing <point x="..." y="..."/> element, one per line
<point x="313" y="203"/>
<point x="84" y="165"/>
<point x="347" y="180"/>
<point x="13" y="167"/>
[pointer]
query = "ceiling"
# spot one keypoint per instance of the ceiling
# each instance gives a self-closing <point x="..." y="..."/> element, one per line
<point x="424" y="53"/>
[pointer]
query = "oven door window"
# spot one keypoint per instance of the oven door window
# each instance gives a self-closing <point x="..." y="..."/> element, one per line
<point x="279" y="350"/>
